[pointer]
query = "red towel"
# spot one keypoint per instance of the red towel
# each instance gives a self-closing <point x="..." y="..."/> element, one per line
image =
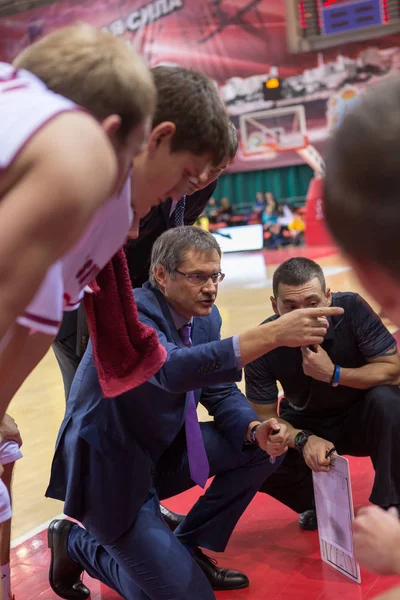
<point x="126" y="352"/>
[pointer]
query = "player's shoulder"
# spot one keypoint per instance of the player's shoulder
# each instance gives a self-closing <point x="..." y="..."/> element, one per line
<point x="73" y="154"/>
<point x="347" y="300"/>
<point x="271" y="318"/>
<point x="72" y="135"/>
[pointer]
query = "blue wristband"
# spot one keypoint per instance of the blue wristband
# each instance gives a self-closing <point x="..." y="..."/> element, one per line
<point x="336" y="376"/>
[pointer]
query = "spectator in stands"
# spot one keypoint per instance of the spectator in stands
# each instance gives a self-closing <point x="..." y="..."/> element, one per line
<point x="269" y="217"/>
<point x="225" y="212"/>
<point x="272" y="229"/>
<point x="343" y="393"/>
<point x="297" y="228"/>
<point x="285" y="215"/>
<point x="260" y="203"/>
<point x="212" y="210"/>
<point x="203" y="222"/>
<point x="270" y="200"/>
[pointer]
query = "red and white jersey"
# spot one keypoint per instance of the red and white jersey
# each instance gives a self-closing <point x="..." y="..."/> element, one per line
<point x="63" y="287"/>
<point x="26" y="105"/>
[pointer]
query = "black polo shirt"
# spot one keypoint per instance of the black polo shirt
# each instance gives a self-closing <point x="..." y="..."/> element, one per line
<point x="352" y="339"/>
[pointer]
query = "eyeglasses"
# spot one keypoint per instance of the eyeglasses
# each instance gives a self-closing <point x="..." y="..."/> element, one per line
<point x="201" y="279"/>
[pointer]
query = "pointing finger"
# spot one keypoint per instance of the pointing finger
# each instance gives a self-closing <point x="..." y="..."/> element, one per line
<point x="325" y="311"/>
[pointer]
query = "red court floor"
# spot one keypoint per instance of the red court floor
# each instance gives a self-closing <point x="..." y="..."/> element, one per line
<point x="281" y="561"/>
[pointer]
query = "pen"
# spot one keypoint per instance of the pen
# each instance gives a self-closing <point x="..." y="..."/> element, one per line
<point x="330" y="452"/>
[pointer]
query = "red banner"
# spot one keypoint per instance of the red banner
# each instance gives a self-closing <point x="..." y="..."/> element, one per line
<point x="286" y="75"/>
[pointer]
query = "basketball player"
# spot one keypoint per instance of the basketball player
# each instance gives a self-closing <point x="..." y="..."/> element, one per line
<point x="66" y="144"/>
<point x="362" y="210"/>
<point x="50" y="164"/>
<point x="57" y="165"/>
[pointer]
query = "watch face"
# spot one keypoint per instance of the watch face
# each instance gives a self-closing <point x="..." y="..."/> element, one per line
<point x="300" y="440"/>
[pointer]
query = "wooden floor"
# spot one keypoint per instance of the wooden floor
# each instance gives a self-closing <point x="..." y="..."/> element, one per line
<point x="39" y="406"/>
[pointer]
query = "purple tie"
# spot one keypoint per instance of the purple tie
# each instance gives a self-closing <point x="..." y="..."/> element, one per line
<point x="198" y="461"/>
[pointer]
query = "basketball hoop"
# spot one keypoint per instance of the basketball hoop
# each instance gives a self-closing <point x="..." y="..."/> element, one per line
<point x="292" y="142"/>
<point x="266" y="150"/>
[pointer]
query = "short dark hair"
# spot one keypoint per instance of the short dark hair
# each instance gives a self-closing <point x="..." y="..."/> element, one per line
<point x="362" y="184"/>
<point x="297" y="271"/>
<point x="191" y="101"/>
<point x="170" y="249"/>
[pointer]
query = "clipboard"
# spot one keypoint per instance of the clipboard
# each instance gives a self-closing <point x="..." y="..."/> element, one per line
<point x="335" y="514"/>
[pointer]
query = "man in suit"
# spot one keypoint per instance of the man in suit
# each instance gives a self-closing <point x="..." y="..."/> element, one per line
<point x="115" y="458"/>
<point x="176" y="89"/>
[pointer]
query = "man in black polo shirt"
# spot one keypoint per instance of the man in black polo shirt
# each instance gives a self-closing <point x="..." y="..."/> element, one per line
<point x="342" y="394"/>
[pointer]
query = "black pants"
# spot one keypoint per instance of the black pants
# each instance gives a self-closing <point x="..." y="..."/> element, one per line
<point x="371" y="427"/>
<point x="70" y="345"/>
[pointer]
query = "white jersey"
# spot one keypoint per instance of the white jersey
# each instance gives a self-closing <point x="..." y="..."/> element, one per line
<point x="26" y="105"/>
<point x="63" y="286"/>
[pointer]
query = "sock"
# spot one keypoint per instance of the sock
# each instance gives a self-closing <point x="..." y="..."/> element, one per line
<point x="6" y="581"/>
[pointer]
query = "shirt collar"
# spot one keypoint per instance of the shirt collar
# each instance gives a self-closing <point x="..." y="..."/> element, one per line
<point x="178" y="319"/>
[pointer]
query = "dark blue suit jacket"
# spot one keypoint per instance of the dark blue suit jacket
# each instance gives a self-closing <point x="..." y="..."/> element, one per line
<point x="107" y="449"/>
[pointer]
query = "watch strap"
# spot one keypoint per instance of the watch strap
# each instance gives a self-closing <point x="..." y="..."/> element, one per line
<point x="252" y="434"/>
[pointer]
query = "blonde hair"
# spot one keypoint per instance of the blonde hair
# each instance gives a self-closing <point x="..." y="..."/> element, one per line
<point x="96" y="70"/>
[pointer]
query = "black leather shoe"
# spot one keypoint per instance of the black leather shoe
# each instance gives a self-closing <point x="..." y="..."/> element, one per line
<point x="172" y="519"/>
<point x="65" y="574"/>
<point x="220" y="579"/>
<point x="308" y="520"/>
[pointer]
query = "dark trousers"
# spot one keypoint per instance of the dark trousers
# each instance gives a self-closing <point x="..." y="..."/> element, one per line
<point x="70" y="345"/>
<point x="149" y="561"/>
<point x="68" y="361"/>
<point x="371" y="427"/>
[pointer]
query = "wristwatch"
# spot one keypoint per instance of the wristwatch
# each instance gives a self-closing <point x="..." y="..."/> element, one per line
<point x="252" y="436"/>
<point x="301" y="440"/>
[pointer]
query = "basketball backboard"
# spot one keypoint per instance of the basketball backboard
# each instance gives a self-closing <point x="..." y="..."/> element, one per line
<point x="267" y="132"/>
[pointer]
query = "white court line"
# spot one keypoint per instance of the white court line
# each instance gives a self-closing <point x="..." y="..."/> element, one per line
<point x="33" y="532"/>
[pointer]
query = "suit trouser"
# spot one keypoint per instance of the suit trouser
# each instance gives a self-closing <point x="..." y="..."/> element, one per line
<point x="371" y="427"/>
<point x="149" y="561"/>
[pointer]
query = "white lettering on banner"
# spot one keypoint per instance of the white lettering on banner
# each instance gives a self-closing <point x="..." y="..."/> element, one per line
<point x="151" y="12"/>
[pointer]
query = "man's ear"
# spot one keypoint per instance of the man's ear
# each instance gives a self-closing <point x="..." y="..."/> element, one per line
<point x="111" y="125"/>
<point x="160" y="275"/>
<point x="328" y="295"/>
<point x="162" y="133"/>
<point x="274" y="305"/>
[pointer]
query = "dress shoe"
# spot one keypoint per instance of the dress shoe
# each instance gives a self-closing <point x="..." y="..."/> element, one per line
<point x="308" y="520"/>
<point x="172" y="519"/>
<point x="65" y="574"/>
<point x="220" y="579"/>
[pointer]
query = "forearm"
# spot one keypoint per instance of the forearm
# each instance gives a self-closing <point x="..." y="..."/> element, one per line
<point x="258" y="341"/>
<point x="370" y="376"/>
